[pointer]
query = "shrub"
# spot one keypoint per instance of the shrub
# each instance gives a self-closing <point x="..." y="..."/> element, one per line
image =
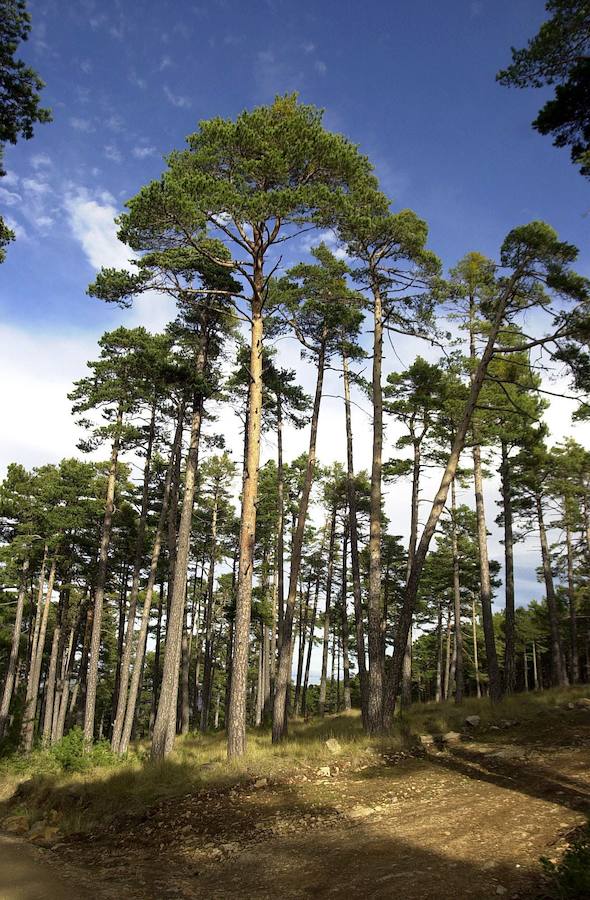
<point x="70" y="754"/>
<point x="570" y="878"/>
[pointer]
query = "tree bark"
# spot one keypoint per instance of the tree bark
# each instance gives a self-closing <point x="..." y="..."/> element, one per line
<point x="459" y="677"/>
<point x="28" y="724"/>
<point x="236" y="725"/>
<point x="558" y="676"/>
<point x="100" y="585"/>
<point x="310" y="644"/>
<point x="165" y="724"/>
<point x="344" y="623"/>
<point x="375" y="603"/>
<point x="326" y="639"/>
<point x="571" y="591"/>
<point x="208" y="658"/>
<point x="354" y="552"/>
<point x="509" y="653"/>
<point x="132" y="611"/>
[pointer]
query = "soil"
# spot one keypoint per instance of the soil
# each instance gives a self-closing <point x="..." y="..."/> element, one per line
<point x="470" y="821"/>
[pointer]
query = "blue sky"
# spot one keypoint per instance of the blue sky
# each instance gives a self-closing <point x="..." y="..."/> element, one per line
<point x="412" y="83"/>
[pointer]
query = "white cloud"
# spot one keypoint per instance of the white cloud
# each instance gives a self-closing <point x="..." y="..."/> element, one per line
<point x="28" y="363"/>
<point x="92" y="223"/>
<point x="10" y="198"/>
<point x="320" y="67"/>
<point x="114" y="123"/>
<point x="11" y="179"/>
<point x="308" y="47"/>
<point x="79" y="124"/>
<point x="86" y="66"/>
<point x="112" y="152"/>
<point x="165" y="63"/>
<point x="142" y="152"/>
<point x="40" y="161"/>
<point x="177" y="99"/>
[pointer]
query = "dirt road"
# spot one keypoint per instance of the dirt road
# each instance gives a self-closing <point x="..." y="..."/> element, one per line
<point x="471" y="821"/>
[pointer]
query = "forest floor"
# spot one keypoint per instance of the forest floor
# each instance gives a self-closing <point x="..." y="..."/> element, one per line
<point x="470" y="816"/>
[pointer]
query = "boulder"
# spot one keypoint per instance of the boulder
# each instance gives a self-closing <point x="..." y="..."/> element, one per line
<point x="451" y="737"/>
<point x="333" y="746"/>
<point x="472" y="721"/>
<point x="583" y="703"/>
<point x="427" y="740"/>
<point x="260" y="783"/>
<point x="323" y="772"/>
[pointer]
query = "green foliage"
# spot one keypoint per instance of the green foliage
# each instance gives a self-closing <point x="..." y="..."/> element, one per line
<point x="570" y="878"/>
<point x="558" y="54"/>
<point x="70" y="755"/>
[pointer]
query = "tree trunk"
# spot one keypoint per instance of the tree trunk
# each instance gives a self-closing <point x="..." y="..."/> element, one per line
<point x="236" y="724"/>
<point x="571" y="591"/>
<point x="131" y="614"/>
<point x="447" y="684"/>
<point x="475" y="648"/>
<point x="280" y="602"/>
<point x="165" y="724"/>
<point x="509" y="654"/>
<point x="14" y="650"/>
<point x="440" y="498"/>
<point x="459" y="677"/>
<point x="208" y="660"/>
<point x="310" y="644"/>
<point x="535" y="672"/>
<point x="303" y="619"/>
<point x="375" y="603"/>
<point x="28" y="724"/>
<point x="485" y="586"/>
<point x="354" y="552"/>
<point x="558" y="676"/>
<point x="326" y="639"/>
<point x="279" y="727"/>
<point x="344" y="623"/>
<point x="439" y="656"/>
<point x="99" y="589"/>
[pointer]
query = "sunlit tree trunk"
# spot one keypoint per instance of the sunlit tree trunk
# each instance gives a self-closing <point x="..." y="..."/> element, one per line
<point x="571" y="591"/>
<point x="28" y="724"/>
<point x="558" y="676"/>
<point x="100" y="585"/>
<point x="236" y="724"/>
<point x="459" y="677"/>
<point x="131" y="613"/>
<point x="327" y="614"/>
<point x="279" y="728"/>
<point x="375" y="603"/>
<point x="354" y="553"/>
<point x="509" y="654"/>
<point x="165" y="724"/>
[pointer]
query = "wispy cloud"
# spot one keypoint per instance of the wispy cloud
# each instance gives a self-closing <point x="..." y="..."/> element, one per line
<point x="136" y="80"/>
<point x="165" y="63"/>
<point x="308" y="47"/>
<point x="112" y="152"/>
<point x="143" y="152"/>
<point x="177" y="100"/>
<point x="114" y="123"/>
<point x="320" y="66"/>
<point x="40" y="161"/>
<point x="10" y="198"/>
<point x="80" y="124"/>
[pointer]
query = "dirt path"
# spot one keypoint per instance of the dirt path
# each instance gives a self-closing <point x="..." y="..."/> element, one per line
<point x="26" y="874"/>
<point x="471" y="822"/>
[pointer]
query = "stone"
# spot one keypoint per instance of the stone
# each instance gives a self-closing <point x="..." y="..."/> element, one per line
<point x="16" y="824"/>
<point x="501" y="890"/>
<point x="451" y="737"/>
<point x="323" y="772"/>
<point x="45" y="835"/>
<point x="260" y="783"/>
<point x="427" y="740"/>
<point x="333" y="746"/>
<point x="583" y="703"/>
<point x="360" y="812"/>
<point x="472" y="721"/>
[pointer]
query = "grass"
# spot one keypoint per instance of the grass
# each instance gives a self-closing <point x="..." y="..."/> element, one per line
<point x="107" y="786"/>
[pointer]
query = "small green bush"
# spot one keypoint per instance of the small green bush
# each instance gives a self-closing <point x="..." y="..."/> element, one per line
<point x="570" y="879"/>
<point x="71" y="756"/>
